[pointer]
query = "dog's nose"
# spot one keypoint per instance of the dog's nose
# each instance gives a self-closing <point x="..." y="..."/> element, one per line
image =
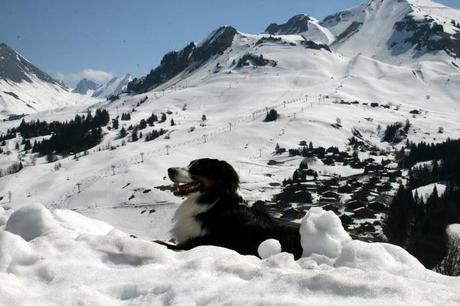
<point x="172" y="171"/>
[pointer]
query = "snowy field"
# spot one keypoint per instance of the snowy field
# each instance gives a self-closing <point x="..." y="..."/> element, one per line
<point x="75" y="247"/>
<point x="63" y="258"/>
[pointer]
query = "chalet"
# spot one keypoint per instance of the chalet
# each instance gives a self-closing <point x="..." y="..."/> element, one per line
<point x="310" y="186"/>
<point x="346" y="220"/>
<point x="354" y="204"/>
<point x="355" y="184"/>
<point x="394" y="175"/>
<point x="377" y="206"/>
<point x="384" y="187"/>
<point x="339" y="157"/>
<point x="345" y="189"/>
<point x="333" y="150"/>
<point x="326" y="201"/>
<point x="330" y="194"/>
<point x="373" y="168"/>
<point x="292" y="214"/>
<point x="363" y="213"/>
<point x="329" y="161"/>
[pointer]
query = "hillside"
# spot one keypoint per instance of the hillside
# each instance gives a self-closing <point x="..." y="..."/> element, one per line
<point x="357" y="103"/>
<point x="25" y="89"/>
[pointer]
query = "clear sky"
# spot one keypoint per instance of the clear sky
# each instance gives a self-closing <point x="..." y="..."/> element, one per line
<point x="100" y="38"/>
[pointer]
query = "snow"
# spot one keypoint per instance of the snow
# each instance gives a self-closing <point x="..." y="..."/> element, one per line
<point x="78" y="263"/>
<point x="453" y="230"/>
<point x="37" y="96"/>
<point x="322" y="233"/>
<point x="30" y="222"/>
<point x="114" y="86"/>
<point x="424" y="192"/>
<point x="58" y="252"/>
<point x="269" y="248"/>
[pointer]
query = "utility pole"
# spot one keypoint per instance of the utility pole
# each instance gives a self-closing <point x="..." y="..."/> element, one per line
<point x="142" y="157"/>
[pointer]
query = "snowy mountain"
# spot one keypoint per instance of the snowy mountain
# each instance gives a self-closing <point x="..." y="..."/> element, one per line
<point x="85" y="86"/>
<point x="113" y="87"/>
<point x="217" y="92"/>
<point x="25" y="89"/>
<point x="398" y="29"/>
<point x="192" y="57"/>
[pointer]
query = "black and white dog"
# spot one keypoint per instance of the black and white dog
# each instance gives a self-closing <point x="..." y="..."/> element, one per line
<point x="214" y="214"/>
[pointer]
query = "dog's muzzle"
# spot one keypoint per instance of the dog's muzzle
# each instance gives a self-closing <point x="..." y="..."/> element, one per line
<point x="182" y="176"/>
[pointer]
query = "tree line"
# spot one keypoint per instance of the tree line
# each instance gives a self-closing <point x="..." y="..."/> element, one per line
<point x="77" y="135"/>
<point x="418" y="223"/>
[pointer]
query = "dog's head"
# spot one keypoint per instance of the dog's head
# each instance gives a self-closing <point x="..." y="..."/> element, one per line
<point x="207" y="176"/>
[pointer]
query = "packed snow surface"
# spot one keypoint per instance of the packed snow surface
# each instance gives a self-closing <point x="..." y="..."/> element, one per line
<point x="69" y="259"/>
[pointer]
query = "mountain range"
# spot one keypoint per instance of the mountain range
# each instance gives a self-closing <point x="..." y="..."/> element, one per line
<point x="339" y="83"/>
<point x="113" y="87"/>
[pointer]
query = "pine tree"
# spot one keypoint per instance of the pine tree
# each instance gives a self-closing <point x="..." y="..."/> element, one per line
<point x="134" y="136"/>
<point x="27" y="145"/>
<point x="142" y="124"/>
<point x="115" y="124"/>
<point x="122" y="133"/>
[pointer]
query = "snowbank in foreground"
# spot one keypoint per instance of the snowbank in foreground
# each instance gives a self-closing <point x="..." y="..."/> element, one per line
<point x="63" y="258"/>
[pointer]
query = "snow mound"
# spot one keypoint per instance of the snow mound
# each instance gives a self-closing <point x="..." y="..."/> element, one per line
<point x="14" y="251"/>
<point x="31" y="221"/>
<point x="322" y="233"/>
<point x="269" y="248"/>
<point x="79" y="261"/>
<point x="375" y="256"/>
<point x="453" y="231"/>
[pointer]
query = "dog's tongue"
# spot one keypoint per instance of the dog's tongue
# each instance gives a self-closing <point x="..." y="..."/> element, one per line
<point x="187" y="188"/>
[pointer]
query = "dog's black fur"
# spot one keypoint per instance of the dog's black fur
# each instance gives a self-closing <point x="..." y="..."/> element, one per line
<point x="226" y="221"/>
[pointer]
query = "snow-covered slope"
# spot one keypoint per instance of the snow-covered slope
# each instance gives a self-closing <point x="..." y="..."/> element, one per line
<point x="304" y="85"/>
<point x="25" y="89"/>
<point x="396" y="30"/>
<point x="62" y="258"/>
<point x="233" y="78"/>
<point x="113" y="87"/>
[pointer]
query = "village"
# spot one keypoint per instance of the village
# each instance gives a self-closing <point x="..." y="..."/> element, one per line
<point x="360" y="200"/>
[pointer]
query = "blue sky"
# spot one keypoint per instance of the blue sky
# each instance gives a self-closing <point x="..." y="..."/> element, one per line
<point x="100" y="38"/>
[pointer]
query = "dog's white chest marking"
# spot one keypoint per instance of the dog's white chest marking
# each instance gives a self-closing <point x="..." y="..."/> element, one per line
<point x="186" y="226"/>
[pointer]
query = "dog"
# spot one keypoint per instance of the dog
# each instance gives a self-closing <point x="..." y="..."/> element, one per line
<point x="213" y="212"/>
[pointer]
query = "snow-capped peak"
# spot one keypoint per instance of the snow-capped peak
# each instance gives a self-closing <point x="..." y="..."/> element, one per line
<point x="15" y="68"/>
<point x="85" y="86"/>
<point x="303" y="25"/>
<point x="25" y="89"/>
<point x="410" y="28"/>
<point x="113" y="87"/>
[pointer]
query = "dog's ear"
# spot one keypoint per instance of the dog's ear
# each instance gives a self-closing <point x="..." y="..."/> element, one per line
<point x="229" y="177"/>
